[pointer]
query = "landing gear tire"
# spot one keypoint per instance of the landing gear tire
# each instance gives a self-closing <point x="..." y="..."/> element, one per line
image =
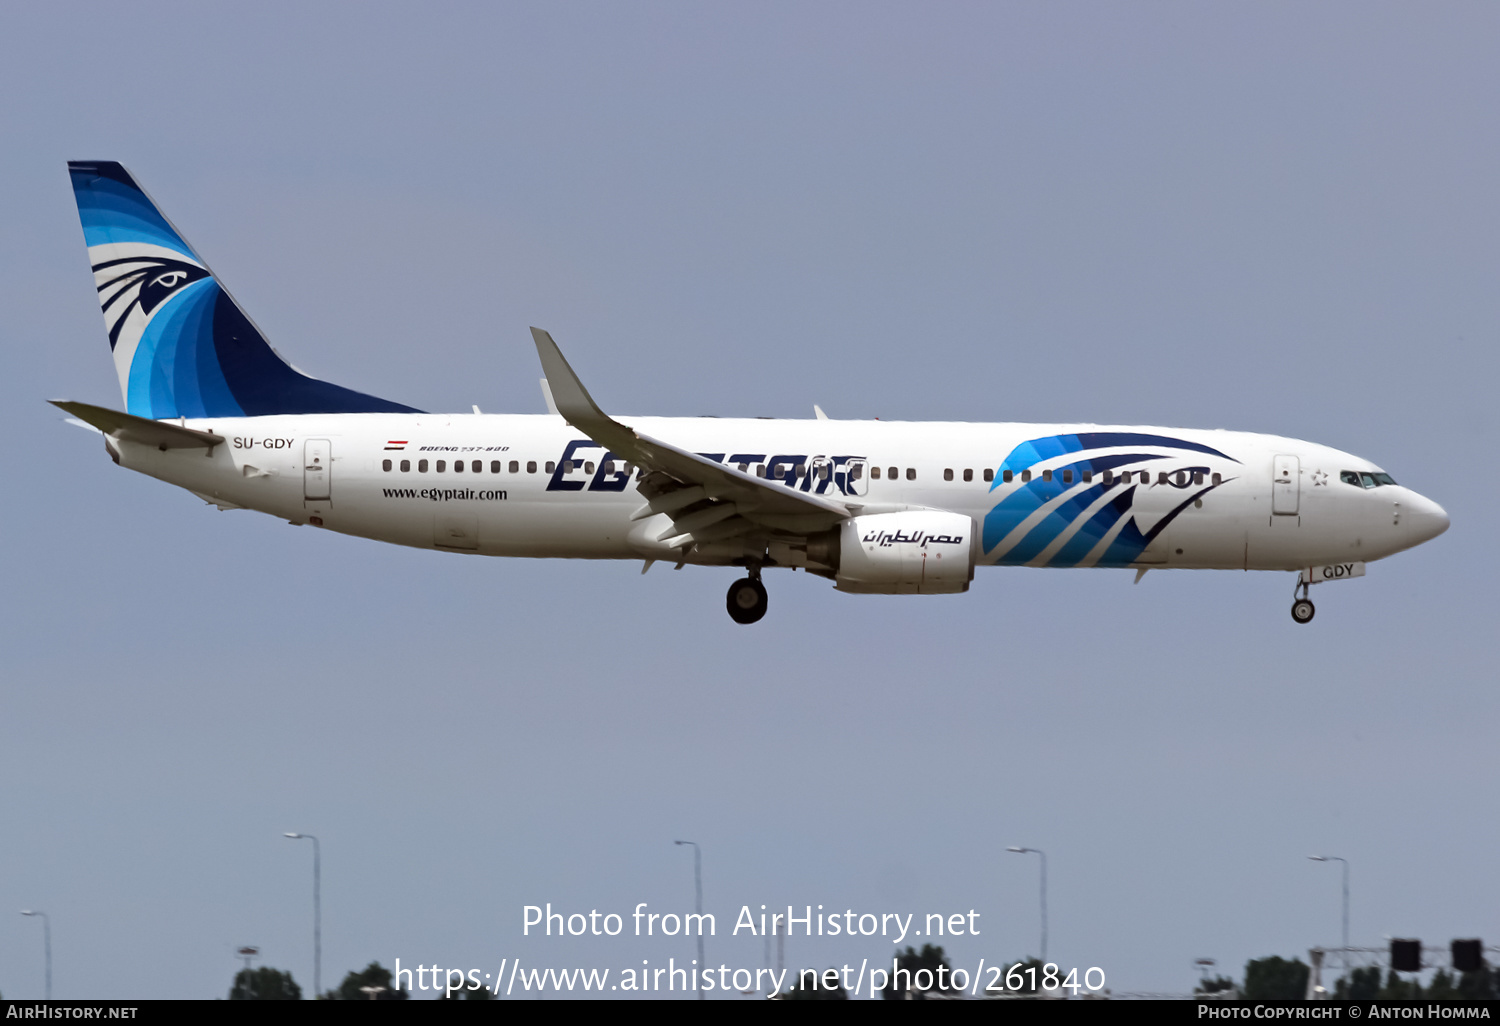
<point x="1302" y="610"/>
<point x="746" y="601"/>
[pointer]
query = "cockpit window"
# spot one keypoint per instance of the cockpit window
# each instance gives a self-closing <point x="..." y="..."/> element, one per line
<point x="1365" y="479"/>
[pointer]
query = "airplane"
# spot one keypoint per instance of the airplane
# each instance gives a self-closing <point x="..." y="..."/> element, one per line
<point x="875" y="506"/>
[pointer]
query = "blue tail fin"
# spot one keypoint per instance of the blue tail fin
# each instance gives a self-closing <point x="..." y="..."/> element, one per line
<point x="182" y="346"/>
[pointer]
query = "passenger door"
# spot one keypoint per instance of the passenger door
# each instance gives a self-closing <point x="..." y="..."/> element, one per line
<point x="1286" y="484"/>
<point x="317" y="469"/>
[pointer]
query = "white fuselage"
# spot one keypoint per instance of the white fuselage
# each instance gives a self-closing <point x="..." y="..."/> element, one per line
<point x="1225" y="499"/>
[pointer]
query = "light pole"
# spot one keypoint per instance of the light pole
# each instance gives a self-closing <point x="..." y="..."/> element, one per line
<point x="698" y="889"/>
<point x="317" y="912"/>
<point x="1335" y="858"/>
<point x="1038" y="851"/>
<point x="46" y="944"/>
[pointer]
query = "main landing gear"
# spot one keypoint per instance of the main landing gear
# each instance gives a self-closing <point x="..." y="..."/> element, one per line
<point x="1302" y="608"/>
<point x="747" y="599"/>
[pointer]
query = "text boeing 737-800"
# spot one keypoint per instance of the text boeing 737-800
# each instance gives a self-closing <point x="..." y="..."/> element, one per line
<point x="878" y="507"/>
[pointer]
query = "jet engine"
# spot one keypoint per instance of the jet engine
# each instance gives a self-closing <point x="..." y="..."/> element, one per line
<point x="917" y="552"/>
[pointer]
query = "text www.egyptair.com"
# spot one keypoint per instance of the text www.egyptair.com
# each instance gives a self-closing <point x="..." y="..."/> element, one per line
<point x="447" y="494"/>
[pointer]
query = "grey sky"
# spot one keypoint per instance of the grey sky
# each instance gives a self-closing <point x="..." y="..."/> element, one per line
<point x="1273" y="217"/>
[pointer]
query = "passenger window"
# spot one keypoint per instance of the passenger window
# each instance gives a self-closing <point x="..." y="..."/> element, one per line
<point x="858" y="472"/>
<point x="827" y="471"/>
<point x="1046" y="475"/>
<point x="567" y="466"/>
<point x="477" y="466"/>
<point x="1161" y="478"/>
<point x="1197" y="477"/>
<point x="744" y="467"/>
<point x="911" y="473"/>
<point x="1109" y="478"/>
<point x="894" y="475"/>
<point x="1025" y="476"/>
<point x="531" y="466"/>
<point x="1181" y="478"/>
<point x="588" y="466"/>
<point x="874" y="473"/>
<point x="385" y="465"/>
<point x="989" y="475"/>
<point x="780" y="471"/>
<point x="515" y="466"/>
<point x="458" y="466"/>
<point x="494" y="466"/>
<point x="1007" y="476"/>
<point x="760" y="470"/>
<point x="1067" y="477"/>
<point x="948" y="474"/>
<point x="1088" y="476"/>
<point x="551" y="466"/>
<point x="405" y="466"/>
<point x="801" y="470"/>
<point x="968" y="473"/>
<point x="1217" y="479"/>
<point x="441" y="465"/>
<point x="421" y="466"/>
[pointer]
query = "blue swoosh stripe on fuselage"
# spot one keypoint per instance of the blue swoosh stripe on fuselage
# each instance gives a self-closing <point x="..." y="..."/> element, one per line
<point x="1130" y="542"/>
<point x="1038" y="449"/>
<point x="1092" y="532"/>
<point x="1013" y="510"/>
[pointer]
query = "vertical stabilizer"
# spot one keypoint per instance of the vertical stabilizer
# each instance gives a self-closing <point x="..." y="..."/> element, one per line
<point x="182" y="346"/>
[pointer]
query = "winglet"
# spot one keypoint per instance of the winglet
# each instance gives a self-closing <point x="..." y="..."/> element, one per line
<point x="569" y="396"/>
<point x="573" y="401"/>
<point x="547" y="398"/>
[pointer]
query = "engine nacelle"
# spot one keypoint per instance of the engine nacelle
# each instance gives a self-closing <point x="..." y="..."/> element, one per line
<point x="920" y="552"/>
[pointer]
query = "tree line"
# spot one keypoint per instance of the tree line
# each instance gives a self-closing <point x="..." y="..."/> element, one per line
<point x="1276" y="978"/>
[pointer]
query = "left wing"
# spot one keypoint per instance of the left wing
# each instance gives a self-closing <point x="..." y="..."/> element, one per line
<point x="707" y="501"/>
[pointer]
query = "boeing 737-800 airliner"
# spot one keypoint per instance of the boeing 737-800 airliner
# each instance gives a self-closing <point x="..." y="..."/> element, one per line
<point x="877" y="507"/>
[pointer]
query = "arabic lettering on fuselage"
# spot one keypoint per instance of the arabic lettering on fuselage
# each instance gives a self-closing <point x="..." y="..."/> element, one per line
<point x="886" y="539"/>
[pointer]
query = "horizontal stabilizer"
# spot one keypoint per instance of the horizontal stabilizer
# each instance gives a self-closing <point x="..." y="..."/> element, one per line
<point x="130" y="428"/>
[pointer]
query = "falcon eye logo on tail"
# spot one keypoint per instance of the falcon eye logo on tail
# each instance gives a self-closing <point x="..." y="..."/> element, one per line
<point x="1066" y="513"/>
<point x="139" y="285"/>
<point x="182" y="346"/>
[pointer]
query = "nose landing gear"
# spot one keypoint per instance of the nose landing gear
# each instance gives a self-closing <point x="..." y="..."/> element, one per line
<point x="747" y="599"/>
<point x="1302" y="608"/>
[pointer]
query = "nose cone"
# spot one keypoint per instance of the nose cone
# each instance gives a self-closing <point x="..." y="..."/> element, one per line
<point x="1425" y="519"/>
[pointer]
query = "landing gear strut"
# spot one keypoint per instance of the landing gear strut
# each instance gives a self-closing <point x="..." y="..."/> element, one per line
<point x="747" y="599"/>
<point x="1302" y="608"/>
